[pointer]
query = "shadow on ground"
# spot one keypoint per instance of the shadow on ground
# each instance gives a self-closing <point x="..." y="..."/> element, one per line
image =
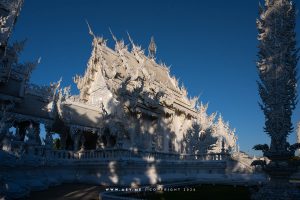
<point x="68" y="192"/>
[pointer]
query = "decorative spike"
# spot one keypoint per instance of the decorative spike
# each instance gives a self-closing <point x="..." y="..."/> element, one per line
<point x="113" y="36"/>
<point x="39" y="60"/>
<point x="130" y="39"/>
<point x="90" y="30"/>
<point x="152" y="48"/>
<point x="220" y="119"/>
<point x="260" y="8"/>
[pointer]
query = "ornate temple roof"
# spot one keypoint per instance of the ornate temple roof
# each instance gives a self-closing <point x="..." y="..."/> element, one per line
<point x="9" y="11"/>
<point x="121" y="68"/>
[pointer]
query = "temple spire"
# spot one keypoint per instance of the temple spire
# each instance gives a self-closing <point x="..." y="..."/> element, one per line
<point x="113" y="36"/>
<point x="152" y="48"/>
<point x="90" y="30"/>
<point x="130" y="39"/>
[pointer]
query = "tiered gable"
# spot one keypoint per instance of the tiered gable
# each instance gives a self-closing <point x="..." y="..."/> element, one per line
<point x="110" y="71"/>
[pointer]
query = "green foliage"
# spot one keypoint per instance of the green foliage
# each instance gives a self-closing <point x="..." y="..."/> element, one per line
<point x="261" y="147"/>
<point x="56" y="143"/>
<point x="258" y="162"/>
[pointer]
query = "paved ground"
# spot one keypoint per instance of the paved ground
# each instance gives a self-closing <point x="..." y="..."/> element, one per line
<point x="68" y="192"/>
<point x="91" y="192"/>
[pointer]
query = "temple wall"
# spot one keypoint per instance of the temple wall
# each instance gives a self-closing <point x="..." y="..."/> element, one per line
<point x="39" y="168"/>
<point x="166" y="132"/>
<point x="13" y="87"/>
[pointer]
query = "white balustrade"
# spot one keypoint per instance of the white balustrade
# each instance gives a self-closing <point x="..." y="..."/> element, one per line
<point x="110" y="154"/>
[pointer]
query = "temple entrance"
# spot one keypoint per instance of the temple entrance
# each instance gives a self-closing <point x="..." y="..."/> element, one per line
<point x="21" y="129"/>
<point x="108" y="139"/>
<point x="90" y="140"/>
<point x="69" y="142"/>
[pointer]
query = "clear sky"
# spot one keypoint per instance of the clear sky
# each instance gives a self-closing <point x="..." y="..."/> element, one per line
<point x="210" y="45"/>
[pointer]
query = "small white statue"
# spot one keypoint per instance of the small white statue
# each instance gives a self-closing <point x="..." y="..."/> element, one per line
<point x="31" y="139"/>
<point x="48" y="140"/>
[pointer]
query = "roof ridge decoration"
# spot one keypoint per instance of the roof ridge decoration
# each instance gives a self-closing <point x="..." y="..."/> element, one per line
<point x="137" y="51"/>
<point x="152" y="49"/>
<point x="121" y="63"/>
<point x="84" y="81"/>
<point x="124" y="78"/>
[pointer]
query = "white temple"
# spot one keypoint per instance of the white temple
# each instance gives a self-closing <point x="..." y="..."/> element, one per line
<point x="128" y="99"/>
<point x="130" y="111"/>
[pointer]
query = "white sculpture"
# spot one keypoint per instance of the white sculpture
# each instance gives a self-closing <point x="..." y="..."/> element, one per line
<point x="48" y="140"/>
<point x="31" y="137"/>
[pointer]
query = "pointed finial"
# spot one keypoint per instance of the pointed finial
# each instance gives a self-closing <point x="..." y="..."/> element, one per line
<point x="152" y="48"/>
<point x="59" y="81"/>
<point x="39" y="60"/>
<point x="90" y="30"/>
<point x="56" y="84"/>
<point x="130" y="39"/>
<point x="220" y="117"/>
<point x="113" y="36"/>
<point x="260" y="8"/>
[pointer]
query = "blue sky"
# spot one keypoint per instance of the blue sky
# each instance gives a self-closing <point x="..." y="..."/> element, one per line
<point x="210" y="45"/>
